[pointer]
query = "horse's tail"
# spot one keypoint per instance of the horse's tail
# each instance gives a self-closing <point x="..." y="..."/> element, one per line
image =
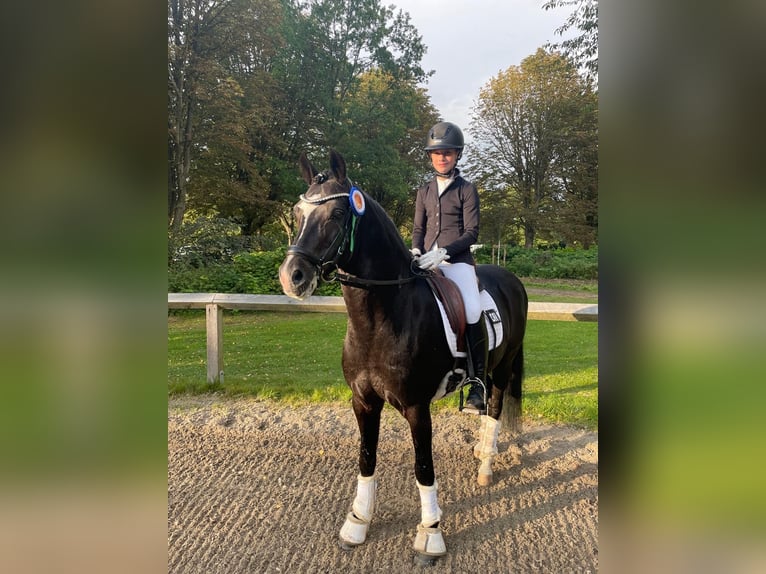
<point x="510" y="416"/>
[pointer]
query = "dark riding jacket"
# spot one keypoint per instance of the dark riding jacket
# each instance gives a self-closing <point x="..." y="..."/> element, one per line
<point x="451" y="221"/>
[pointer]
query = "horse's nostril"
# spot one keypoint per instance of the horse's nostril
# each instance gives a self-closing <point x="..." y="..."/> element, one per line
<point x="297" y="276"/>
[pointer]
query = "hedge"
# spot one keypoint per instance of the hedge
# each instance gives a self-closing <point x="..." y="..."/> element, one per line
<point x="258" y="272"/>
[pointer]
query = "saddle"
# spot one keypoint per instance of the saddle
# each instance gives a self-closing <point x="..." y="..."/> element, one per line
<point x="449" y="295"/>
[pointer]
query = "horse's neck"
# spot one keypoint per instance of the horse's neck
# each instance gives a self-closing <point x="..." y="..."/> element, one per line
<point x="380" y="253"/>
<point x="371" y="308"/>
<point x="380" y="256"/>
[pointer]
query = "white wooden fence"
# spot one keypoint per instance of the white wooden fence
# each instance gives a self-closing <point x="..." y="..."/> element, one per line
<point x="215" y="303"/>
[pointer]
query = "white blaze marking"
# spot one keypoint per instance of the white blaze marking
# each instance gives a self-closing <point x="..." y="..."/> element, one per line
<point x="306" y="209"/>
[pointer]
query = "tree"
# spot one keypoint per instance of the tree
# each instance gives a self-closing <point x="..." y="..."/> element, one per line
<point x="252" y="83"/>
<point x="350" y="73"/>
<point x="331" y="44"/>
<point x="240" y="128"/>
<point x="575" y="176"/>
<point x="582" y="49"/>
<point x="523" y="123"/>
<point x="384" y="123"/>
<point x="207" y="40"/>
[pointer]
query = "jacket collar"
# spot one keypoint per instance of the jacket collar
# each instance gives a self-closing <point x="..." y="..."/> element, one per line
<point x="456" y="178"/>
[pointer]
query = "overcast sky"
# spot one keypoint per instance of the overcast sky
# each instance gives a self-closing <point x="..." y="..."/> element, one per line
<point x="470" y="41"/>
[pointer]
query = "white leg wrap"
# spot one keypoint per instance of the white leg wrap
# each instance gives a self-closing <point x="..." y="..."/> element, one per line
<point x="430" y="513"/>
<point x="486" y="450"/>
<point x="354" y="530"/>
<point x="482" y="428"/>
<point x="364" y="503"/>
<point x="430" y="541"/>
<point x="488" y="441"/>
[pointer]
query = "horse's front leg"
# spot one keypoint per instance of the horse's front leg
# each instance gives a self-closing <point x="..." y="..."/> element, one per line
<point x="429" y="541"/>
<point x="354" y="530"/>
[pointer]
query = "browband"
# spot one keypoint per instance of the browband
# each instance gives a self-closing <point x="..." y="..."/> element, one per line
<point x="320" y="200"/>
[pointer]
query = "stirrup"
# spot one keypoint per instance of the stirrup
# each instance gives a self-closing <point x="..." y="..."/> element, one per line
<point x="468" y="408"/>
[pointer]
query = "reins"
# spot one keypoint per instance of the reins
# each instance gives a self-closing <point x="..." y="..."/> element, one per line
<point x="354" y="281"/>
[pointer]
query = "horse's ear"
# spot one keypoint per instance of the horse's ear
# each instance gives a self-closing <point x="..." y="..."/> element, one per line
<point x="337" y="166"/>
<point x="308" y="171"/>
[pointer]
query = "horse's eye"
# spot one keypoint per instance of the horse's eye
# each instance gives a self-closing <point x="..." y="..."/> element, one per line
<point x="337" y="214"/>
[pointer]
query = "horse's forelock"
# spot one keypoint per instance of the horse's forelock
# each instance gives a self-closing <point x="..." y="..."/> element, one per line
<point x="321" y="177"/>
<point x="317" y="190"/>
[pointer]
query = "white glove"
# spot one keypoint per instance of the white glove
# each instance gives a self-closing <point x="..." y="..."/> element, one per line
<point x="415" y="252"/>
<point x="432" y="259"/>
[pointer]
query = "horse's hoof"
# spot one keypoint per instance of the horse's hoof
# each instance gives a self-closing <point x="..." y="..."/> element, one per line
<point x="424" y="560"/>
<point x="429" y="542"/>
<point x="345" y="545"/>
<point x="484" y="479"/>
<point x="353" y="533"/>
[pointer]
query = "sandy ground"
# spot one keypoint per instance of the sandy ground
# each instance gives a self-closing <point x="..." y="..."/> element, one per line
<point x="258" y="487"/>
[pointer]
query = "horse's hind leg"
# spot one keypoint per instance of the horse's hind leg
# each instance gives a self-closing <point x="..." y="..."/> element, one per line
<point x="429" y="541"/>
<point x="503" y="377"/>
<point x="354" y="530"/>
<point x="486" y="449"/>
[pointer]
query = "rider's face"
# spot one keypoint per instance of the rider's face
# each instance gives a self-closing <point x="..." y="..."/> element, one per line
<point x="444" y="160"/>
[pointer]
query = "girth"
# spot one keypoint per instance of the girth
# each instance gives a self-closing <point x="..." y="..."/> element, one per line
<point x="448" y="293"/>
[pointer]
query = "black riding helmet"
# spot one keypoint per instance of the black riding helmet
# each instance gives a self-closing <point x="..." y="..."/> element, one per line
<point x="445" y="135"/>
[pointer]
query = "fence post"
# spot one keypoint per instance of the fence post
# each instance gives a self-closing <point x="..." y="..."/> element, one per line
<point x="214" y="324"/>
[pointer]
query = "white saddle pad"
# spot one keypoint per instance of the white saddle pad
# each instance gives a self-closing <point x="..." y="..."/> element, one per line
<point x="491" y="318"/>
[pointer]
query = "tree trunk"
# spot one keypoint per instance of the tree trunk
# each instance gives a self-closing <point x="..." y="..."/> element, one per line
<point x="529" y="237"/>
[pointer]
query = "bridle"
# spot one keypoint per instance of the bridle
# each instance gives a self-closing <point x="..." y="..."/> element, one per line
<point x="327" y="263"/>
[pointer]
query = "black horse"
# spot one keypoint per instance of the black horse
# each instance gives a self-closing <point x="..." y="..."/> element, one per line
<point x="395" y="349"/>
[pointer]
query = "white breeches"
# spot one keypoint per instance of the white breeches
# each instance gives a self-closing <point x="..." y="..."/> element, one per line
<point x="464" y="276"/>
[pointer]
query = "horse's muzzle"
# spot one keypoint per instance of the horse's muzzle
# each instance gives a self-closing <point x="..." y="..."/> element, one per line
<point x="298" y="277"/>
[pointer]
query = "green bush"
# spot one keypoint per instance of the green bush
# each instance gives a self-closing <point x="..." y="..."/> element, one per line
<point x="215" y="278"/>
<point x="258" y="272"/>
<point x="559" y="263"/>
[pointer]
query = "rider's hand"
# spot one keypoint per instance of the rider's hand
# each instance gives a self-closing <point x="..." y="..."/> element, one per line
<point x="415" y="253"/>
<point x="432" y="259"/>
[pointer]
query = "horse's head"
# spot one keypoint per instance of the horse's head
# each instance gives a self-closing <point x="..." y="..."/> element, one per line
<point x="324" y="217"/>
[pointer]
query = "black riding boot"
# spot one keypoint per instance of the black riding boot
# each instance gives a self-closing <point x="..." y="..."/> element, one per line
<point x="476" y="338"/>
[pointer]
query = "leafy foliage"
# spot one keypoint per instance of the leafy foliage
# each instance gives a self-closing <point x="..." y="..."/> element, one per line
<point x="252" y="83"/>
<point x="205" y="241"/>
<point x="560" y="263"/>
<point x="384" y="139"/>
<point x="581" y="49"/>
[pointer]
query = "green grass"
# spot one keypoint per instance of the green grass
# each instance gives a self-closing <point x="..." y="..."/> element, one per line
<point x="561" y="290"/>
<point x="561" y="362"/>
<point x="296" y="358"/>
